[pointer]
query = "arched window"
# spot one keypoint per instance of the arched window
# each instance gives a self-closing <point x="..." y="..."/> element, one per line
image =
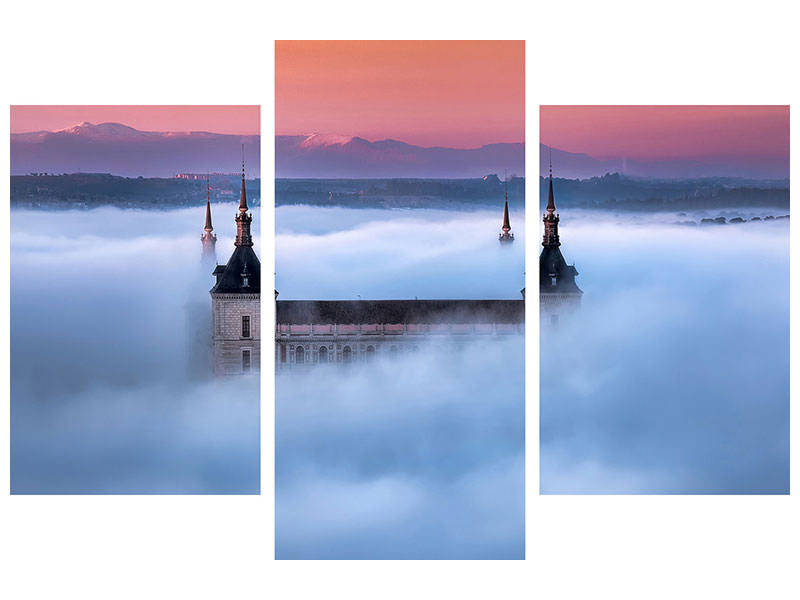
<point x="323" y="354"/>
<point x="370" y="353"/>
<point x="300" y="355"/>
<point x="347" y="354"/>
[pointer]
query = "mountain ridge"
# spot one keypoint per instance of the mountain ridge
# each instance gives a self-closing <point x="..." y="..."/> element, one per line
<point x="318" y="155"/>
<point x="123" y="150"/>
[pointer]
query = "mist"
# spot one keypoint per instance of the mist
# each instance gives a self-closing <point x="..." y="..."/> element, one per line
<point x="340" y="254"/>
<point x="673" y="376"/>
<point x="417" y="456"/>
<point x="111" y="385"/>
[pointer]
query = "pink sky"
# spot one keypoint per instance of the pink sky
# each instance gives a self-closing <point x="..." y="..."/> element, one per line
<point x="238" y="120"/>
<point x="667" y="132"/>
<point x="461" y="94"/>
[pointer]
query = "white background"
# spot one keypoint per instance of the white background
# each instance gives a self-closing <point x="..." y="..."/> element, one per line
<point x="222" y="547"/>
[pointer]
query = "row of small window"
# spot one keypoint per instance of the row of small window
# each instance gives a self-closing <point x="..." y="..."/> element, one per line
<point x="322" y="354"/>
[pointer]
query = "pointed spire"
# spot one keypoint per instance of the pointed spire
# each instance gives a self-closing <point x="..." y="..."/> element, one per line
<point x="243" y="196"/>
<point x="551" y="204"/>
<point x="551" y="239"/>
<point x="209" y="227"/>
<point x="243" y="219"/>
<point x="506" y="236"/>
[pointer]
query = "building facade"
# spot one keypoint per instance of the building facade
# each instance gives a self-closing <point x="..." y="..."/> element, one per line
<point x="558" y="292"/>
<point x="349" y="331"/>
<point x="236" y="301"/>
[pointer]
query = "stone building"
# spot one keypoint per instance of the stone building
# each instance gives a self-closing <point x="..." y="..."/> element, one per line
<point x="310" y="332"/>
<point x="558" y="292"/>
<point x="235" y="301"/>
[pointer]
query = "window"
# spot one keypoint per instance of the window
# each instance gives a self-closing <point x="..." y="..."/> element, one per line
<point x="283" y="353"/>
<point x="246" y="326"/>
<point x="370" y="353"/>
<point x="323" y="354"/>
<point x="554" y="279"/>
<point x="347" y="354"/>
<point x="245" y="360"/>
<point x="300" y="355"/>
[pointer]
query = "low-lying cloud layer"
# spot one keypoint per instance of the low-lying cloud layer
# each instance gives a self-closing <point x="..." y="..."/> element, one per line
<point x="420" y="456"/>
<point x="339" y="254"/>
<point x="110" y="363"/>
<point x="673" y="377"/>
<point x="417" y="456"/>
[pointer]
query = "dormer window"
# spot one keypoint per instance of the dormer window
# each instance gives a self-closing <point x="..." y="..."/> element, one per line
<point x="553" y="279"/>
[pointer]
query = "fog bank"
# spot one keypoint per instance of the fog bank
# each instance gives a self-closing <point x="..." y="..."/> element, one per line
<point x="673" y="377"/>
<point x="110" y="358"/>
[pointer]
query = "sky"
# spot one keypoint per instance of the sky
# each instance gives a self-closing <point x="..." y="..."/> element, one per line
<point x="668" y="132"/>
<point x="110" y="374"/>
<point x="236" y="120"/>
<point x="460" y="94"/>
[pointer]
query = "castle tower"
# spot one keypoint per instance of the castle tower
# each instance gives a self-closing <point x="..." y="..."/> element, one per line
<point x="208" y="239"/>
<point x="236" y="301"/>
<point x="558" y="291"/>
<point x="506" y="237"/>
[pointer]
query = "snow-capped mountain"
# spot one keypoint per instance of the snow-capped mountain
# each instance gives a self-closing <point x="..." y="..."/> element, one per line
<point x="122" y="150"/>
<point x="327" y="156"/>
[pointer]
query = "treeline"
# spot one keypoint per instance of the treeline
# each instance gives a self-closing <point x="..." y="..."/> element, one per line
<point x="401" y="193"/>
<point x="91" y="190"/>
<point x="616" y="192"/>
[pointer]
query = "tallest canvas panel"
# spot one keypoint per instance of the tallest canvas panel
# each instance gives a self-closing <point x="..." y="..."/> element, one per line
<point x="399" y="341"/>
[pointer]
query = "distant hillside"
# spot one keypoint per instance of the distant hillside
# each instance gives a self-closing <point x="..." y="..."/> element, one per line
<point x="122" y="150"/>
<point x="582" y="166"/>
<point x="324" y="156"/>
<point x="90" y="190"/>
<point x="616" y="192"/>
<point x="446" y="194"/>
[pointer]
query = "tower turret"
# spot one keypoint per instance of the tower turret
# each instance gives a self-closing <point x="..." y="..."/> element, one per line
<point x="236" y="300"/>
<point x="557" y="287"/>
<point x="551" y="218"/>
<point x="208" y="238"/>
<point x="243" y="219"/>
<point x="506" y="237"/>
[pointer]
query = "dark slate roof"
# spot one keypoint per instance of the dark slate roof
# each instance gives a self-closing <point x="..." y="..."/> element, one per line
<point x="551" y="261"/>
<point x="229" y="277"/>
<point x="400" y="311"/>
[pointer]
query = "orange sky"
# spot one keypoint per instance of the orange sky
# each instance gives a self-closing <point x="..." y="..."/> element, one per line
<point x="450" y="93"/>
<point x="238" y="120"/>
<point x="667" y="132"/>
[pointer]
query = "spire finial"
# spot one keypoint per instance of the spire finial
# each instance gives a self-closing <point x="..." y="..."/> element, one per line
<point x="550" y="148"/>
<point x="505" y="180"/>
